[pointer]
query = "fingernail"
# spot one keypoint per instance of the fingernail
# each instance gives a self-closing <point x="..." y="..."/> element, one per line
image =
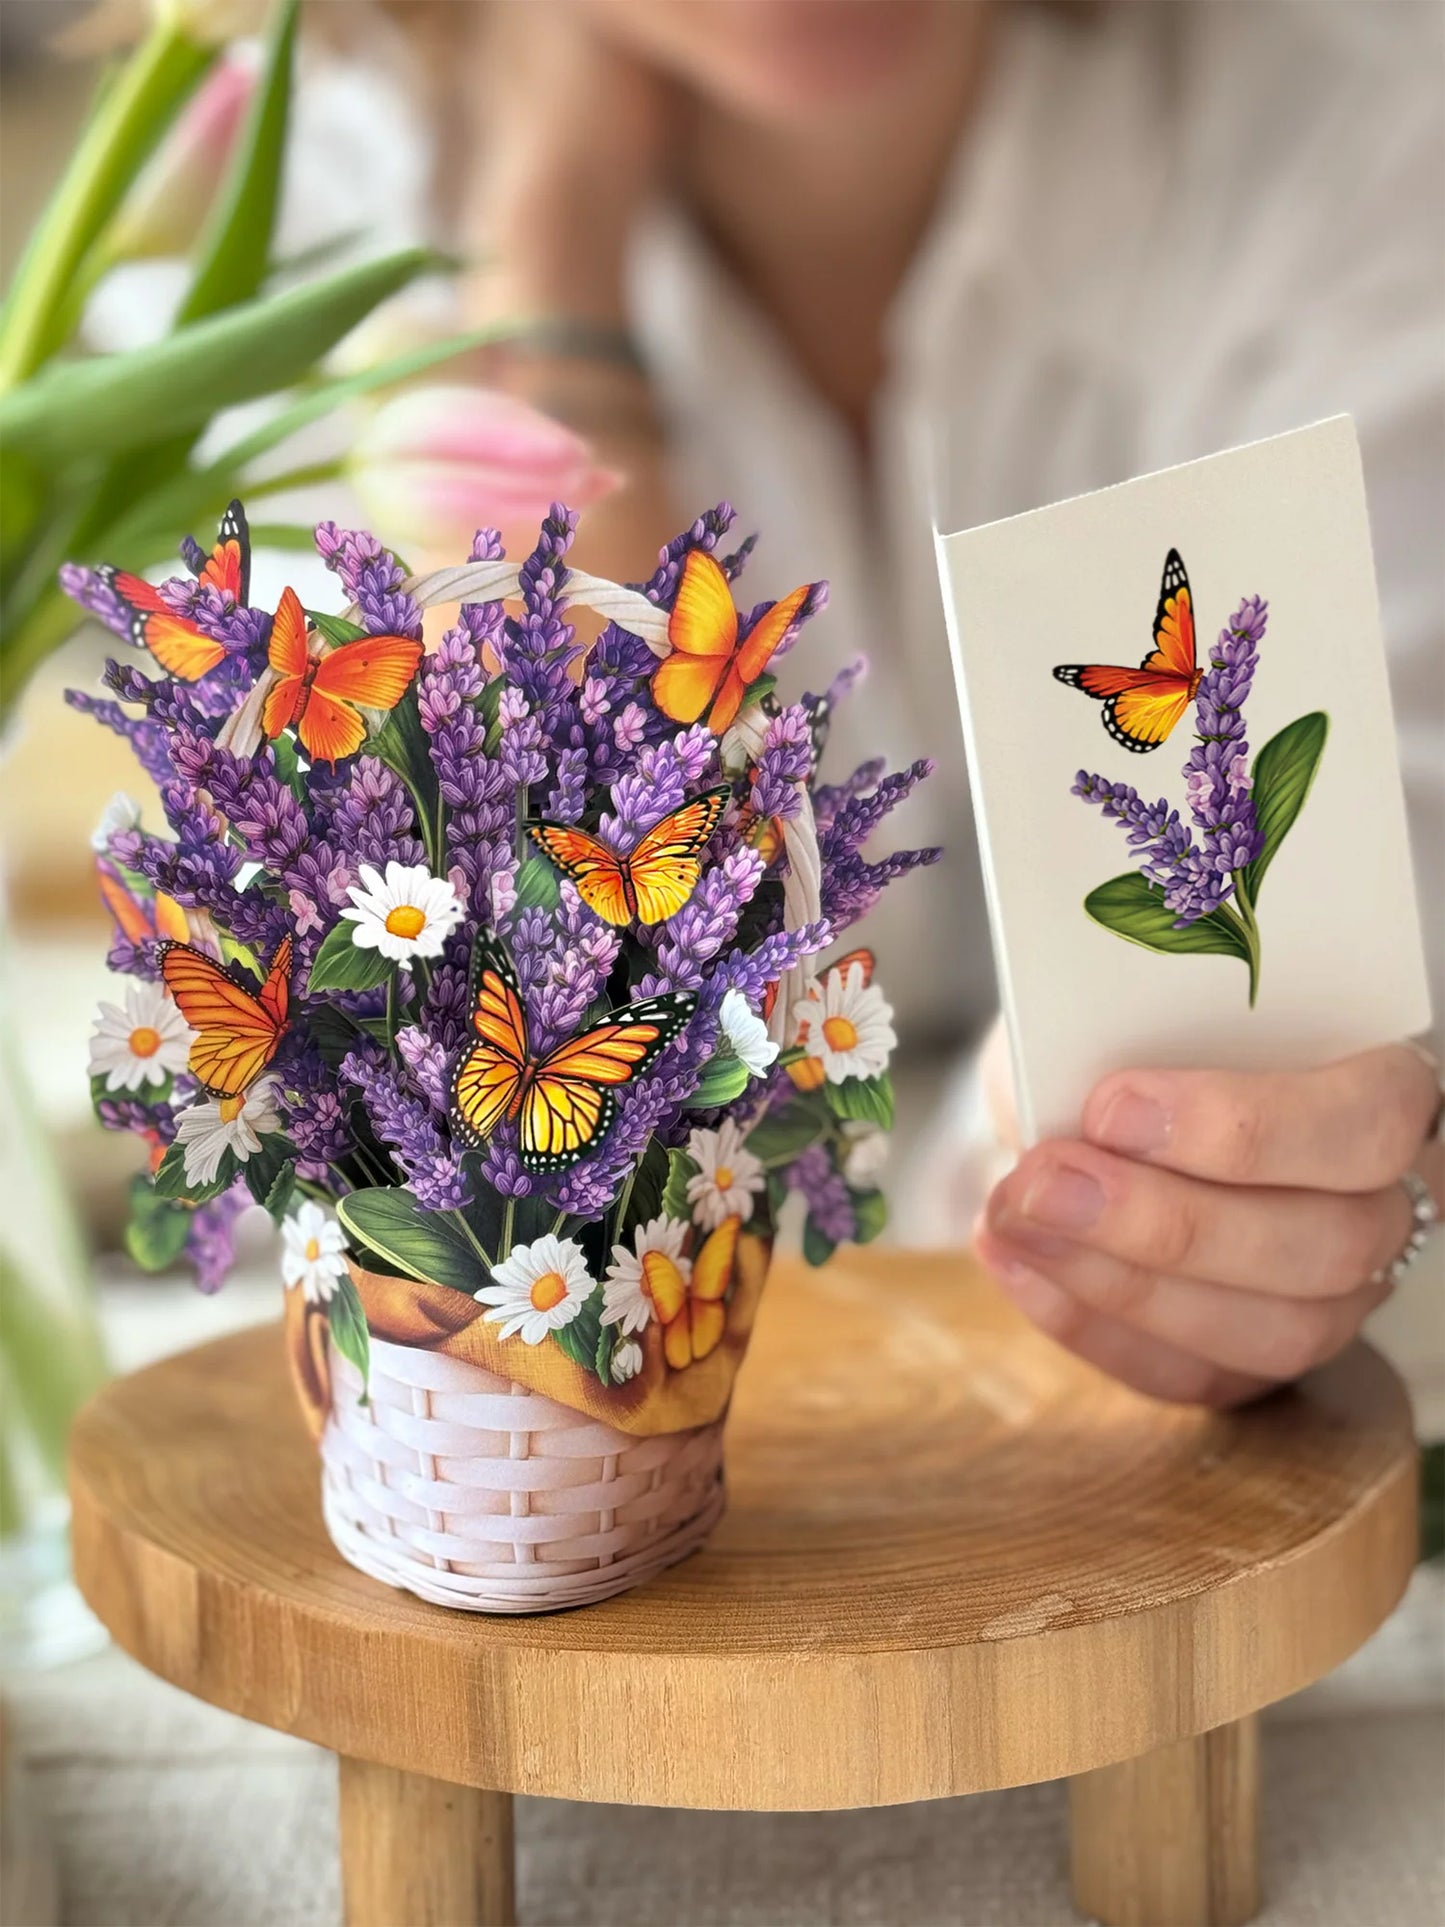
<point x="1134" y="1124"/>
<point x="1037" y="1297"/>
<point x="1064" y="1198"/>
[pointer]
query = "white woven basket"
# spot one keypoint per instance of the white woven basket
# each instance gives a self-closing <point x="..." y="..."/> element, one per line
<point x="469" y="1490"/>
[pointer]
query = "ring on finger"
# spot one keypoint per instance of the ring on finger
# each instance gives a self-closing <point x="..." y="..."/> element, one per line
<point x="1424" y="1215"/>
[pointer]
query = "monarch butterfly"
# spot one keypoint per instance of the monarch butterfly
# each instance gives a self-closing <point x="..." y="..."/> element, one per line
<point x="319" y="695"/>
<point x="177" y="644"/>
<point x="136" y="919"/>
<point x="1141" y="706"/>
<point x="561" y="1102"/>
<point x="707" y="663"/>
<point x="238" y="1028"/>
<point x="654" y="880"/>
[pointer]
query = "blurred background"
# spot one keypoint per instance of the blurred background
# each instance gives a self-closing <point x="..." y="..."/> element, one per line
<point x="845" y="262"/>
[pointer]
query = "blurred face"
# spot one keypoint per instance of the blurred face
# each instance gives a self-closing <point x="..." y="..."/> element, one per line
<point x="776" y="59"/>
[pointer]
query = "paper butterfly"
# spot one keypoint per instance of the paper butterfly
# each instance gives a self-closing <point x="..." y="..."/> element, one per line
<point x="238" y="1028"/>
<point x="654" y="880"/>
<point x="177" y="644"/>
<point x="136" y="919"/>
<point x="562" y="1102"/>
<point x="695" y="1327"/>
<point x="707" y="663"/>
<point x="1141" y="706"/>
<point x="320" y="695"/>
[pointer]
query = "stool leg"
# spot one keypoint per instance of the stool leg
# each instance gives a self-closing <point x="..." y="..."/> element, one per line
<point x="417" y="1852"/>
<point x="1171" y="1839"/>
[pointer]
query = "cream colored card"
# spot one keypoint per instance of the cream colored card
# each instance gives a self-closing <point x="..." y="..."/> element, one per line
<point x="1208" y="638"/>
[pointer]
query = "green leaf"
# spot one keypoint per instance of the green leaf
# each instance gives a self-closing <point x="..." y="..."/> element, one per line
<point x="334" y="628"/>
<point x="870" y="1214"/>
<point x="156" y="1234"/>
<point x="817" y="1248"/>
<point x="1282" y="775"/>
<point x="234" y="951"/>
<point x="126" y="123"/>
<point x="288" y="763"/>
<point x="1135" y="910"/>
<point x="235" y="248"/>
<point x="270" y="1174"/>
<point x="170" y="1178"/>
<point x="681" y="1169"/>
<point x="80" y="410"/>
<point x="866" y="1100"/>
<point x="403" y="745"/>
<point x="348" y="1329"/>
<point x="423" y="1244"/>
<point x="341" y="964"/>
<point x="606" y="1345"/>
<point x="649" y="1182"/>
<point x="783" y="1135"/>
<point x="538" y="886"/>
<point x="581" y="1339"/>
<point x="724" y="1076"/>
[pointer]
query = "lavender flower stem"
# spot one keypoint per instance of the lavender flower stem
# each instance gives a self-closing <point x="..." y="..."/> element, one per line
<point x="476" y="1243"/>
<point x="509" y="1222"/>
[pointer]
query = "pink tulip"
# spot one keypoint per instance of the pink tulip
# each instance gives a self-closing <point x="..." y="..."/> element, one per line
<point x="166" y="209"/>
<point x="434" y="464"/>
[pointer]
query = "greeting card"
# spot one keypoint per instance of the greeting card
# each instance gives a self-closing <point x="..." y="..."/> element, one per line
<point x="1182" y="751"/>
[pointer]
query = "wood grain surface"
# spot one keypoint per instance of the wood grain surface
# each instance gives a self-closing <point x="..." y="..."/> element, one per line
<point x="953" y="1559"/>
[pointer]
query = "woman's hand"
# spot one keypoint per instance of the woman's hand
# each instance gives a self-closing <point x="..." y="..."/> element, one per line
<point x="1214" y="1233"/>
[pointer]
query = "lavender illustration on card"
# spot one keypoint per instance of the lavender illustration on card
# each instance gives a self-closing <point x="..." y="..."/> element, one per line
<point x="1195" y="890"/>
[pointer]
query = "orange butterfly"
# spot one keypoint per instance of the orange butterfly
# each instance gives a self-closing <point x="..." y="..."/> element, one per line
<point x="137" y="920"/>
<point x="1141" y="706"/>
<point x="654" y="880"/>
<point x="696" y="1327"/>
<point x="562" y="1102"/>
<point x="177" y="644"/>
<point x="238" y="1028"/>
<point x="319" y="695"/>
<point x="808" y="1073"/>
<point x="707" y="663"/>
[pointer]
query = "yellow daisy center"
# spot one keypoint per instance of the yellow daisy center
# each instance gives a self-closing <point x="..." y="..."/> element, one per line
<point x="840" y="1033"/>
<point x="406" y="921"/>
<point x="549" y="1290"/>
<point x="144" y="1041"/>
<point x="722" y="1177"/>
<point x="313" y="1250"/>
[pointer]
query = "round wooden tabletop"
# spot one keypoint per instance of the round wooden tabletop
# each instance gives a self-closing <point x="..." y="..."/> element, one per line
<point x="953" y="1558"/>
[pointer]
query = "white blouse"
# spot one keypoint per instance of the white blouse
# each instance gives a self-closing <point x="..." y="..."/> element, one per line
<point x="1169" y="230"/>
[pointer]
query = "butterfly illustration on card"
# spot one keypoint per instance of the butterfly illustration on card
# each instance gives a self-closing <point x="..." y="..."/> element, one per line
<point x="180" y="647"/>
<point x="238" y="1029"/>
<point x="139" y="919"/>
<point x="561" y="1100"/>
<point x="654" y="879"/>
<point x="707" y="665"/>
<point x="1142" y="706"/>
<point x="321" y="693"/>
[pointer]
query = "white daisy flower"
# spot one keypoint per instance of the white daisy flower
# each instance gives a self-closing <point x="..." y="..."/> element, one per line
<point x="538" y="1289"/>
<point x="220" y="1124"/>
<point x="728" y="1178"/>
<point x="120" y="813"/>
<point x="747" y="1033"/>
<point x="313" y="1252"/>
<point x="626" y="1361"/>
<point x="144" y="1042"/>
<point x="648" y="1281"/>
<point x="847" y="1025"/>
<point x="408" y="913"/>
<point x="865" y="1154"/>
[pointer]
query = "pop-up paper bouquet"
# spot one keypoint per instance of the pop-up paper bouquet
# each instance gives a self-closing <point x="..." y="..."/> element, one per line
<point x="497" y="975"/>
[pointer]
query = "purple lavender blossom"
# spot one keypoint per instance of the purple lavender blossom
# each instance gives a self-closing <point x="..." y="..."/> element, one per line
<point x="374" y="821"/>
<point x="829" y="1205"/>
<point x="785" y="764"/>
<point x="372" y="577"/>
<point x="407" y="1127"/>
<point x="211" y="1239"/>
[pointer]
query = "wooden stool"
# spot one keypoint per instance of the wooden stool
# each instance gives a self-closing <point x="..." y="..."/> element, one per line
<point x="953" y="1559"/>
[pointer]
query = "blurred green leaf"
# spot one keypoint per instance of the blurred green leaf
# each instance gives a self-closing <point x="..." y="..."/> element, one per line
<point x="156" y="1233"/>
<point x="88" y="409"/>
<point x="870" y="1214"/>
<point x="235" y="249"/>
<point x="125" y="126"/>
<point x="864" y="1100"/>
